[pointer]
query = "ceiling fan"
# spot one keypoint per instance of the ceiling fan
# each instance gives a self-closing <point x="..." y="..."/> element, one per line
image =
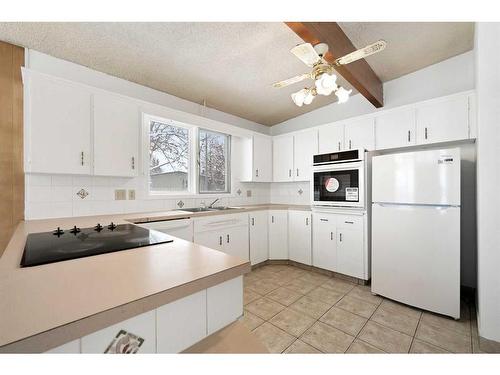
<point x="323" y="72"/>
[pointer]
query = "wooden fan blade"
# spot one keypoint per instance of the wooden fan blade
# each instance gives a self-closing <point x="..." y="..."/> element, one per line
<point x="361" y="53"/>
<point x="291" y="81"/>
<point x="306" y="53"/>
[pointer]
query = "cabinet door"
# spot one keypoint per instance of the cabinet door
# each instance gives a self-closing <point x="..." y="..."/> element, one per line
<point x="299" y="236"/>
<point x="443" y="121"/>
<point x="262" y="159"/>
<point x="181" y="323"/>
<point x="143" y="325"/>
<point x="360" y="134"/>
<point x="324" y="241"/>
<point x="350" y="246"/>
<point x="278" y="234"/>
<point x="58" y="127"/>
<point x="235" y="242"/>
<point x="259" y="237"/>
<point x="116" y="136"/>
<point x="395" y="129"/>
<point x="305" y="146"/>
<point x="283" y="158"/>
<point x="224" y="304"/>
<point x="211" y="239"/>
<point x="331" y="138"/>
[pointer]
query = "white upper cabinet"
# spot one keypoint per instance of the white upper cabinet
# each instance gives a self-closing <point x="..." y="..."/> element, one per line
<point x="262" y="159"/>
<point x="395" y="129"/>
<point x="331" y="138"/>
<point x="360" y="134"/>
<point x="58" y="127"/>
<point x="443" y="120"/>
<point x="305" y="146"/>
<point x="116" y="136"/>
<point x="283" y="158"/>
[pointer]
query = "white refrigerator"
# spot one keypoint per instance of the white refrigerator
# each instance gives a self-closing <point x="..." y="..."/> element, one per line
<point x="416" y="229"/>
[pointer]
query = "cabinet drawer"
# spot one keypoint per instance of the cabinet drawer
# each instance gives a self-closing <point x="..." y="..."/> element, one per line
<point x="352" y="222"/>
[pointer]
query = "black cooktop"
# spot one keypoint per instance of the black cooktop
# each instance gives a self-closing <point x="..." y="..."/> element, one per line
<point x="59" y="245"/>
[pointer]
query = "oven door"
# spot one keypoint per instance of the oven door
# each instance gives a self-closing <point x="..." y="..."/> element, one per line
<point x="339" y="185"/>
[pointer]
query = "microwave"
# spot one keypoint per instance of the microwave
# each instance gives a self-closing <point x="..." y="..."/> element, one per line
<point x="338" y="179"/>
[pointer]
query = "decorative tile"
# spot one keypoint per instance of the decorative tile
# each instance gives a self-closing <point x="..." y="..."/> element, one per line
<point x="357" y="306"/>
<point x="327" y="339"/>
<point x="300" y="347"/>
<point x="361" y="347"/>
<point x="264" y="308"/>
<point x="82" y="193"/>
<point x="344" y="320"/>
<point x="275" y="339"/>
<point x="314" y="308"/>
<point x="326" y="295"/>
<point x="384" y="338"/>
<point x="292" y="322"/>
<point x="284" y="296"/>
<point x="250" y="320"/>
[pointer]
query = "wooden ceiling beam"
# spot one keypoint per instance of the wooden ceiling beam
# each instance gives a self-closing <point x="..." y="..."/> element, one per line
<point x="359" y="74"/>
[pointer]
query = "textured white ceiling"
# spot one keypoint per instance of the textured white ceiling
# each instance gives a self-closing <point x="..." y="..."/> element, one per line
<point x="231" y="65"/>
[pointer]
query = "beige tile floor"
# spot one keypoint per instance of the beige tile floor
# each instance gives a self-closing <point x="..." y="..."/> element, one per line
<point x="293" y="310"/>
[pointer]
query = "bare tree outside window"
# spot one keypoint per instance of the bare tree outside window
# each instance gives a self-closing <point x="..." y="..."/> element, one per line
<point x="213" y="162"/>
<point x="168" y="157"/>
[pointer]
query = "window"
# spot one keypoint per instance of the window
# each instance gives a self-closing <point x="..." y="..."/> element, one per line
<point x="169" y="157"/>
<point x="213" y="162"/>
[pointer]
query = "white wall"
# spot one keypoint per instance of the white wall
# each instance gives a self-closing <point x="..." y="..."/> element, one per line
<point x="488" y="178"/>
<point x="447" y="77"/>
<point x="61" y="68"/>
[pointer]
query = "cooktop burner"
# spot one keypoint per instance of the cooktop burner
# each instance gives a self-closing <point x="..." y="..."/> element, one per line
<point x="59" y="245"/>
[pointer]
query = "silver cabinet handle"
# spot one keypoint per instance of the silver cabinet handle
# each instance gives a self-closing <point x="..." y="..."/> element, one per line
<point x="220" y="240"/>
<point x="227" y="238"/>
<point x="133" y="162"/>
<point x="81" y="157"/>
<point x="339" y="146"/>
<point x="253" y="221"/>
<point x="256" y="173"/>
<point x="331" y="236"/>
<point x="323" y="219"/>
<point x="272" y="219"/>
<point x="340" y="237"/>
<point x="426" y="132"/>
<point x="409" y="136"/>
<point x="349" y="222"/>
<point x="289" y="173"/>
<point x="297" y="172"/>
<point x="349" y="144"/>
<point x="307" y="221"/>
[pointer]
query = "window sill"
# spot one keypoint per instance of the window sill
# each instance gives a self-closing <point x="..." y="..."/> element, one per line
<point x="180" y="195"/>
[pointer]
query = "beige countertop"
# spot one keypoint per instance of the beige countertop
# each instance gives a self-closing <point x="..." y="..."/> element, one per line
<point x="45" y="306"/>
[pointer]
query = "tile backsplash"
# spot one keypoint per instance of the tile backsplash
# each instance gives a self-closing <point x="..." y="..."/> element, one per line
<point x="49" y="196"/>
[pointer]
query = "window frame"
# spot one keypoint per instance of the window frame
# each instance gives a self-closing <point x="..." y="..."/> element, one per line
<point x="227" y="163"/>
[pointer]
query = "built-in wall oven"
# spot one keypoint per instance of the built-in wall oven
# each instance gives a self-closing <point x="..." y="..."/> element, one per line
<point x="338" y="179"/>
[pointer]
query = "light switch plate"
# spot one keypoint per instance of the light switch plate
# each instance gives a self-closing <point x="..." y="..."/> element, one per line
<point x="120" y="194"/>
<point x="131" y="194"/>
<point x="249" y="193"/>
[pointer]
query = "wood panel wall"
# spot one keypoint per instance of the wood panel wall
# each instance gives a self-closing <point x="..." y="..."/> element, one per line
<point x="11" y="141"/>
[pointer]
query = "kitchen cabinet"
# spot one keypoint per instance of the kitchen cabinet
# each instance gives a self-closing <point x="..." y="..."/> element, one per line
<point x="283" y="158"/>
<point x="443" y="120"/>
<point x="324" y="254"/>
<point x="58" y="127"/>
<point x="227" y="233"/>
<point x="278" y="234"/>
<point x="360" y="134"/>
<point x="224" y="304"/>
<point x="256" y="154"/>
<point x="305" y="146"/>
<point x="143" y="325"/>
<point x="181" y="323"/>
<point x="259" y="249"/>
<point x="116" y="136"/>
<point x="350" y="242"/>
<point x="331" y="138"/>
<point x="395" y="129"/>
<point x="299" y="236"/>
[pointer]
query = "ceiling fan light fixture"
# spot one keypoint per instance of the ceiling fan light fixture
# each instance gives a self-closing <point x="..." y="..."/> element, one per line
<point x="342" y="94"/>
<point x="299" y="97"/>
<point x="326" y="84"/>
<point x="309" y="96"/>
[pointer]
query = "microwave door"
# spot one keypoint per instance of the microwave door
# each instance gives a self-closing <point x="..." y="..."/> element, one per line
<point x="337" y="186"/>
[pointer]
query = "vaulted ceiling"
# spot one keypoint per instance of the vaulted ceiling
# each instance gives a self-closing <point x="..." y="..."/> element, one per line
<point x="232" y="65"/>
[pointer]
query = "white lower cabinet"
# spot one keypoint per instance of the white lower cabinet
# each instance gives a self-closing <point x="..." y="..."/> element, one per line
<point x="299" y="236"/>
<point x="340" y="244"/>
<point x="278" y="234"/>
<point x="259" y="248"/>
<point x="224" y="304"/>
<point x="181" y="323"/>
<point x="72" y="347"/>
<point x="143" y="326"/>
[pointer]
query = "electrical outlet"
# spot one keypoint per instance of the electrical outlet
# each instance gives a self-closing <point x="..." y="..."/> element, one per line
<point x="131" y="194"/>
<point x="120" y="194"/>
<point x="249" y="193"/>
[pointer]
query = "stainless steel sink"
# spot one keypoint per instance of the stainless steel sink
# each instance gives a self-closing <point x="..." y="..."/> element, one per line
<point x="206" y="209"/>
<point x="222" y="208"/>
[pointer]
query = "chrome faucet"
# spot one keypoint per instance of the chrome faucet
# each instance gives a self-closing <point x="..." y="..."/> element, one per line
<point x="214" y="202"/>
